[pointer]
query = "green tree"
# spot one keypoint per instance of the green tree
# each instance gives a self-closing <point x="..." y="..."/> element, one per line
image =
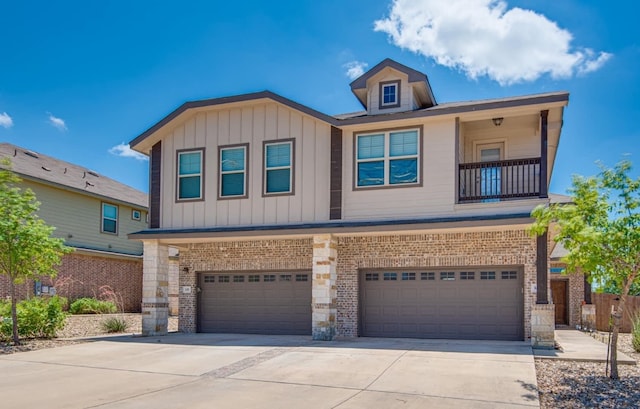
<point x="610" y="287"/>
<point x="601" y="231"/>
<point x="27" y="250"/>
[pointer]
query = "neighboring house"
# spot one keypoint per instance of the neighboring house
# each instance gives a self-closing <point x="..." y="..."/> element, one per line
<point x="408" y="219"/>
<point x="93" y="214"/>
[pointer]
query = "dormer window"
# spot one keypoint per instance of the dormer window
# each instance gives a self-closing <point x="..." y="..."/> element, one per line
<point x="389" y="94"/>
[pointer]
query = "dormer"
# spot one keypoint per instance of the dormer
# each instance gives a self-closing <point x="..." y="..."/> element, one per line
<point x="391" y="87"/>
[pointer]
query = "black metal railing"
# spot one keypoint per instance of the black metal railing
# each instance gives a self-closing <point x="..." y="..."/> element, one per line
<point x="499" y="180"/>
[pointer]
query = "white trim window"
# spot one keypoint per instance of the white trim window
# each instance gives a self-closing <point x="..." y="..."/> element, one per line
<point x="190" y="175"/>
<point x="389" y="94"/>
<point x="109" y="218"/>
<point x="278" y="167"/>
<point x="233" y="172"/>
<point x="388" y="158"/>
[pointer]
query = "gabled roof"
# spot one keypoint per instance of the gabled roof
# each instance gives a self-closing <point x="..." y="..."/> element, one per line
<point x="228" y="100"/>
<point x="359" y="85"/>
<point x="356" y="117"/>
<point x="38" y="167"/>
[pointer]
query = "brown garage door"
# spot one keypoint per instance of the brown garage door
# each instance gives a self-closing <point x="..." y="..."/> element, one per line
<point x="485" y="303"/>
<point x="255" y="303"/>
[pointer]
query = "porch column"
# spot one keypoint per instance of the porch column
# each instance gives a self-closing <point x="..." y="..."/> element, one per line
<point x="542" y="273"/>
<point x="542" y="313"/>
<point x="544" y="153"/>
<point x="155" y="288"/>
<point x="324" y="290"/>
<point x="587" y="289"/>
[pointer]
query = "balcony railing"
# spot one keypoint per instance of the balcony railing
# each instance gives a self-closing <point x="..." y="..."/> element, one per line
<point x="499" y="180"/>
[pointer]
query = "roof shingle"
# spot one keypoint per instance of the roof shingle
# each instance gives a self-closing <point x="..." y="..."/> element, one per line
<point x="35" y="166"/>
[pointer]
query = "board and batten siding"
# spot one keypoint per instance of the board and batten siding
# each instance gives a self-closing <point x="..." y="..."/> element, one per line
<point x="251" y="125"/>
<point x="78" y="219"/>
<point x="406" y="93"/>
<point x="520" y="135"/>
<point x="435" y="197"/>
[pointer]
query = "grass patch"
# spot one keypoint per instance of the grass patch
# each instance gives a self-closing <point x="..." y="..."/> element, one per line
<point x="92" y="306"/>
<point x="114" y="325"/>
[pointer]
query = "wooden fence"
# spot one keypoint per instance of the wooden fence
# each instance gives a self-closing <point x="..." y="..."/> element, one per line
<point x="603" y="304"/>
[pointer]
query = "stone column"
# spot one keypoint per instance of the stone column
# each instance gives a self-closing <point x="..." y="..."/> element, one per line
<point x="324" y="291"/>
<point x="155" y="288"/>
<point x="543" y="326"/>
<point x="588" y="318"/>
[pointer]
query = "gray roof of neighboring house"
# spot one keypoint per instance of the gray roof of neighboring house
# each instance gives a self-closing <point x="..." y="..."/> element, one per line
<point x="36" y="166"/>
<point x="559" y="251"/>
<point x="558" y="198"/>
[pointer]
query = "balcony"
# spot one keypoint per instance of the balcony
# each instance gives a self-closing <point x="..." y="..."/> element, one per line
<point x="499" y="180"/>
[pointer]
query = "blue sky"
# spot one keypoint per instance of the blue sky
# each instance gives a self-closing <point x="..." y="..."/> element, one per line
<point x="79" y="78"/>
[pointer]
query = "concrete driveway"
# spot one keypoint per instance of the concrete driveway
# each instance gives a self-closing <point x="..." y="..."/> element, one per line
<point x="249" y="371"/>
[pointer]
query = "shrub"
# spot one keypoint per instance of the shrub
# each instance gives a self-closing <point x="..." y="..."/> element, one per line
<point x="635" y="333"/>
<point x="38" y="317"/>
<point x="114" y="324"/>
<point x="92" y="306"/>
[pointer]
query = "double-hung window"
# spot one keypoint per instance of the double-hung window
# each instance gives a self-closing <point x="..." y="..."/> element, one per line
<point x="388" y="158"/>
<point x="190" y="175"/>
<point x="278" y="167"/>
<point x="389" y="94"/>
<point x="233" y="172"/>
<point x="109" y="218"/>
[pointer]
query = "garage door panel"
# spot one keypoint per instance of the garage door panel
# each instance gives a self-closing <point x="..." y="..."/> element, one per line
<point x="468" y="308"/>
<point x="255" y="303"/>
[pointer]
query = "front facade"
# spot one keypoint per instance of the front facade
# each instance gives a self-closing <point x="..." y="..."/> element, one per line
<point x="93" y="214"/>
<point x="408" y="219"/>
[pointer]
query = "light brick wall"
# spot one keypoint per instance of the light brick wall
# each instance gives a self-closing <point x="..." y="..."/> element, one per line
<point x="508" y="248"/>
<point x="499" y="248"/>
<point x="81" y="275"/>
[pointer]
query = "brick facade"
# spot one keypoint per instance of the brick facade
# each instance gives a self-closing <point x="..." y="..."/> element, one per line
<point x="513" y="247"/>
<point x="508" y="248"/>
<point x="82" y="275"/>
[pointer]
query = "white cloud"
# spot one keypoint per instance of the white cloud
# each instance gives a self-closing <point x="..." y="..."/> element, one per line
<point x="126" y="152"/>
<point x="57" y="122"/>
<point x="484" y="37"/>
<point x="355" y="69"/>
<point x="5" y="120"/>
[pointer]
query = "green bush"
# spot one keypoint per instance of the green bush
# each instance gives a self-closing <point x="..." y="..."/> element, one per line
<point x="114" y="324"/>
<point x="38" y="317"/>
<point x="635" y="333"/>
<point x="92" y="306"/>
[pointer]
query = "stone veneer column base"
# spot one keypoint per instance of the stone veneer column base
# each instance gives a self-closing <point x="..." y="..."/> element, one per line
<point x="543" y="326"/>
<point x="588" y="321"/>
<point x="155" y="289"/>
<point x="324" y="292"/>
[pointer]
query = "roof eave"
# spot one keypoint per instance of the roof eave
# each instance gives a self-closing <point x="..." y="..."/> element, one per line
<point x="480" y="106"/>
<point x="134" y="144"/>
<point x="328" y="227"/>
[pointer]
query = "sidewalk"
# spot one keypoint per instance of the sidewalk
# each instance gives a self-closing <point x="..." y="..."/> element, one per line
<point x="578" y="346"/>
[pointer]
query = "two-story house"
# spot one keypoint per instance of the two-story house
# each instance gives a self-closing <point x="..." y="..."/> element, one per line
<point x="93" y="214"/>
<point x="408" y="219"/>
